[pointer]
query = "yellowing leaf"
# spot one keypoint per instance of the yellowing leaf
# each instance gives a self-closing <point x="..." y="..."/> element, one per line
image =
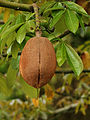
<point x="6" y="14"/>
<point x="58" y="90"/>
<point x="83" y="110"/>
<point x="68" y="89"/>
<point x="77" y="108"/>
<point x="35" y="102"/>
<point x="49" y="92"/>
<point x="86" y="59"/>
<point x="1" y="10"/>
<point x="16" y="12"/>
<point x="69" y="78"/>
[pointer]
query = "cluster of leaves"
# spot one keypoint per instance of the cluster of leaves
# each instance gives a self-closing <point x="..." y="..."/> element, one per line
<point x="65" y="16"/>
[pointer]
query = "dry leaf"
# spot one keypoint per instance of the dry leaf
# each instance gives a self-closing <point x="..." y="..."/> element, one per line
<point x="35" y="102"/>
<point x="49" y="92"/>
<point x="86" y="6"/>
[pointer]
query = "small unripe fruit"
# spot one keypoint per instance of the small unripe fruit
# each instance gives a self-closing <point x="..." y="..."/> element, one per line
<point x="37" y="62"/>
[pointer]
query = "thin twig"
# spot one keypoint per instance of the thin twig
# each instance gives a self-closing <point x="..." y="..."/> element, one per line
<point x="60" y="110"/>
<point x="67" y="32"/>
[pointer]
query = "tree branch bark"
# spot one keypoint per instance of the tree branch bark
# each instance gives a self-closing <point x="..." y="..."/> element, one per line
<point x="60" y="110"/>
<point x="16" y="6"/>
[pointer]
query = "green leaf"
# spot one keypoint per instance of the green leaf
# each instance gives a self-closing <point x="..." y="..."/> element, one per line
<point x="11" y="76"/>
<point x="10" y="30"/>
<point x="9" y="51"/>
<point x="15" y="63"/>
<point x="81" y="21"/>
<point x="86" y="20"/>
<point x="60" y="27"/>
<point x="57" y="6"/>
<point x="15" y="49"/>
<point x="2" y="46"/>
<point x="10" y="38"/>
<point x="30" y="91"/>
<point x="75" y="7"/>
<point x="2" y="27"/>
<point x="46" y="6"/>
<point x="5" y="26"/>
<point x="71" y="21"/>
<point x="2" y="97"/>
<point x="61" y="54"/>
<point x="30" y="26"/>
<point x="29" y="15"/>
<point x="56" y="18"/>
<point x="74" y="60"/>
<point x="21" y="34"/>
<point x="3" y="66"/>
<point x="3" y="85"/>
<point x="20" y="18"/>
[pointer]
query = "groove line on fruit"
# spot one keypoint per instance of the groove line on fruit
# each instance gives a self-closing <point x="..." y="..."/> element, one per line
<point x="39" y="66"/>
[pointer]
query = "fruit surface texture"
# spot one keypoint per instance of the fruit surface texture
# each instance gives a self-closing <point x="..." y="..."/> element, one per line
<point x="37" y="62"/>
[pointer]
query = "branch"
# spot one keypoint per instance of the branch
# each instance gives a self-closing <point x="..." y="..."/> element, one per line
<point x="63" y="109"/>
<point x="68" y="32"/>
<point x="16" y="6"/>
<point x="70" y="71"/>
<point x="38" y="34"/>
<point x="5" y="55"/>
<point x="57" y="72"/>
<point x="64" y="34"/>
<point x="77" y="97"/>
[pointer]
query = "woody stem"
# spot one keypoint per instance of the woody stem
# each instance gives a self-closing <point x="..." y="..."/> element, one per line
<point x="38" y="34"/>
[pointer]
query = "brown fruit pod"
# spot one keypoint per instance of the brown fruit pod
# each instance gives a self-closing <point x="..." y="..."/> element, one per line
<point x="37" y="62"/>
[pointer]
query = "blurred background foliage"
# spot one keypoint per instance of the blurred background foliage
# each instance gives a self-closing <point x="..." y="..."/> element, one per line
<point x="65" y="96"/>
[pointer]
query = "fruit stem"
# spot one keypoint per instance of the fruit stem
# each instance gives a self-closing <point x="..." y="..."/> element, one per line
<point x="38" y="32"/>
<point x="37" y="93"/>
